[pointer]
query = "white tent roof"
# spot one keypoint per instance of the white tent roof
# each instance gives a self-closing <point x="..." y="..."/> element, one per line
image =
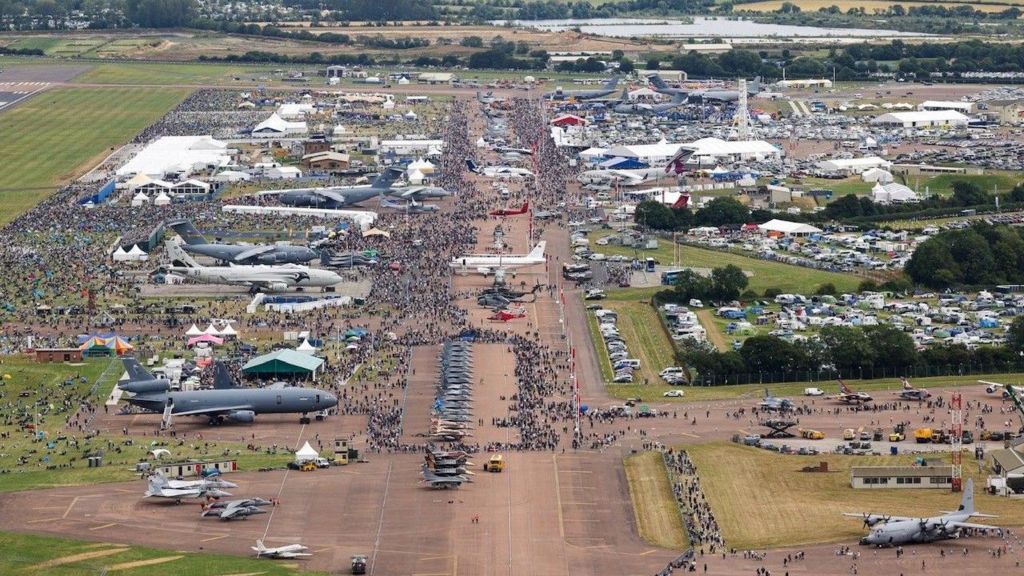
<point x="136" y="251"/>
<point x="787" y="227"/>
<point x="211" y="330"/>
<point x="141" y="196"/>
<point x="277" y="125"/>
<point x="306" y="453"/>
<point x="193" y="331"/>
<point x="120" y="252"/>
<point x="305" y="347"/>
<point x="228" y="331"/>
<point x="177" y="153"/>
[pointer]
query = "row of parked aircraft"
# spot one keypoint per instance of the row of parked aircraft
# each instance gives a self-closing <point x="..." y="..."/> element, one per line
<point x="679" y="95"/>
<point x="845" y="396"/>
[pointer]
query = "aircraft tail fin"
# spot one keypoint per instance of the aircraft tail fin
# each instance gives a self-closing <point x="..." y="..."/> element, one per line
<point x="525" y="207"/>
<point x="386" y="178"/>
<point x="967" y="502"/>
<point x="612" y="82"/>
<point x="755" y="86"/>
<point x="179" y="256"/>
<point x="135" y="370"/>
<point x="768" y="394"/>
<point x="260" y="547"/>
<point x="538" y="250"/>
<point x="658" y="82"/>
<point x="472" y="166"/>
<point x="843" y="387"/>
<point x="188" y="232"/>
<point x="906" y="383"/>
<point x="221" y="377"/>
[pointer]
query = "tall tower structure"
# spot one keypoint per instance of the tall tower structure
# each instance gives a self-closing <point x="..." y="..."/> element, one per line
<point x="957" y="441"/>
<point x="742" y="113"/>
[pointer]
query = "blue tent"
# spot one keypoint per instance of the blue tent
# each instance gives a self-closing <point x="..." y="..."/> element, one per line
<point x="620" y="163"/>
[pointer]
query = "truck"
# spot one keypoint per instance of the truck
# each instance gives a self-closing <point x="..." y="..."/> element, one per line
<point x="923" y="435"/>
<point x="496" y="463"/>
<point x="849" y="434"/>
<point x="359" y="564"/>
<point x="898" y="434"/>
<point x="811" y="434"/>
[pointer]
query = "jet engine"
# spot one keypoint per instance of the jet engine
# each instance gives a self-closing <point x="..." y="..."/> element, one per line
<point x="244" y="416"/>
<point x="278" y="286"/>
<point x="145" y="386"/>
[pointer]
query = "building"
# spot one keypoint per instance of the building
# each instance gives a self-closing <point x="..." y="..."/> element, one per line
<point x="706" y="48"/>
<point x="295" y="110"/>
<point x="436" y="78"/>
<point x="315" y="145"/>
<point x="45" y="355"/>
<point x="1008" y="472"/>
<point x="918" y="477"/>
<point x="192" y="468"/>
<point x="892" y="193"/>
<point x="787" y="228"/>
<point x="284" y="363"/>
<point x="926" y="119"/>
<point x="931" y="105"/>
<point x="666" y="75"/>
<point x="1006" y="111"/>
<point x="411" y="147"/>
<point x="850" y="166"/>
<point x="326" y="161"/>
<point x="709" y="151"/>
<point x="335" y="72"/>
<point x="178" y="156"/>
<point x="283" y="173"/>
<point x="185" y="190"/>
<point x="804" y="84"/>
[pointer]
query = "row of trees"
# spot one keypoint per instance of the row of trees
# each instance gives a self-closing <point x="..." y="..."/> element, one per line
<point x="980" y="255"/>
<point x="724" y="285"/>
<point x="722" y="211"/>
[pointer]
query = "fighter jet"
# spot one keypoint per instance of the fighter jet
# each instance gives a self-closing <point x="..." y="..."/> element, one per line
<point x="283" y="552"/>
<point x="910" y="393"/>
<point x="991" y="388"/>
<point x="559" y="94"/>
<point x="411" y="207"/>
<point x="333" y="197"/>
<point x="625" y="177"/>
<point x="773" y="404"/>
<point x="348" y="259"/>
<point x="256" y="277"/>
<point x="195" y="243"/>
<point x="900" y="530"/>
<point x="230" y="405"/>
<point x="159" y="487"/>
<point x="434" y="480"/>
<point x="236" y="509"/>
<point x="498" y="171"/>
<point x="847" y="396"/>
<point x="643" y="108"/>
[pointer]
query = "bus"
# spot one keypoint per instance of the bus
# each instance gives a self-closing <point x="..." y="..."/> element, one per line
<point x="650" y="265"/>
<point x="669" y="277"/>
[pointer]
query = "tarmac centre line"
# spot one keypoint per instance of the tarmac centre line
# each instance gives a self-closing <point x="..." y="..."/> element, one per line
<point x="103" y="526"/>
<point x="558" y="498"/>
<point x="380" y="520"/>
<point x="212" y="538"/>
<point x="280" y="490"/>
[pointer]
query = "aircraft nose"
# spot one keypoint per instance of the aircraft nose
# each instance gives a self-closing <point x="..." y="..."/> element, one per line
<point x="332" y="400"/>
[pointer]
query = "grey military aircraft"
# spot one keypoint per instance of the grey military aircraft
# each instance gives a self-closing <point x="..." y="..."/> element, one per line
<point x="899" y="530"/>
<point x="662" y="88"/>
<point x="724" y="95"/>
<point x="559" y="94"/>
<point x="256" y="276"/>
<point x="643" y="108"/>
<point x="224" y="405"/>
<point x="908" y="392"/>
<point x="196" y="243"/>
<point x="434" y="480"/>
<point x="333" y="197"/>
<point x="236" y="509"/>
<point x="773" y="404"/>
<point x="160" y="487"/>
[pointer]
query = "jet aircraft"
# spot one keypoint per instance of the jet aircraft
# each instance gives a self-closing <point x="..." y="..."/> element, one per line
<point x="498" y="171"/>
<point x="511" y="212"/>
<point x="773" y="404"/>
<point x="847" y="396"/>
<point x="288" y="552"/>
<point x="908" y="392"/>
<point x="256" y="277"/>
<point x="559" y="94"/>
<point x="195" y="243"/>
<point x="900" y="530"/>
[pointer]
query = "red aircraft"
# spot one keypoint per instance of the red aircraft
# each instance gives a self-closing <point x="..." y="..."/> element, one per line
<point x="509" y="212"/>
<point x="505" y="315"/>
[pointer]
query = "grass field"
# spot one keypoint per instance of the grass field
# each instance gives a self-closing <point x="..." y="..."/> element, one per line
<point x="652" y="392"/>
<point x="794" y="508"/>
<point x="942" y="184"/>
<point x="63" y="450"/>
<point x="657" y="516"/>
<point x="29" y="554"/>
<point x="192" y="74"/>
<point x="763" y="273"/>
<point x="869" y="5"/>
<point x="39" y="153"/>
<point x="646" y="340"/>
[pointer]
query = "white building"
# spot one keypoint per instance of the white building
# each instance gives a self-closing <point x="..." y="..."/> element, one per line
<point x="808" y="83"/>
<point x="712" y="150"/>
<point x="180" y="155"/>
<point x="295" y="111"/>
<point x="962" y="107"/>
<point x="927" y="119"/>
<point x="850" y="166"/>
<point x="409" y="147"/>
<point x="283" y="173"/>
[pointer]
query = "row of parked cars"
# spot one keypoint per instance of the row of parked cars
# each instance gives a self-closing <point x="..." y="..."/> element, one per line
<point x="622" y="365"/>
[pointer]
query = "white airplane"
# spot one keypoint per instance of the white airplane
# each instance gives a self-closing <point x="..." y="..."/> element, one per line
<point x="487" y="264"/>
<point x="498" y="171"/>
<point x="203" y="483"/>
<point x="159" y="488"/>
<point x="623" y="177"/>
<point x="991" y="387"/>
<point x="286" y="552"/>
<point x="257" y="277"/>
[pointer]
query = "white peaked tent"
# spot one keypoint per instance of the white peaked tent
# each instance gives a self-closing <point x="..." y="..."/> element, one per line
<point x="424" y="166"/>
<point x="194" y="331"/>
<point x="211" y="330"/>
<point x="137" y="253"/>
<point x="306" y="453"/>
<point x="481" y="143"/>
<point x="139" y="199"/>
<point x="388" y="105"/>
<point x="228" y="331"/>
<point x="415" y="177"/>
<point x="410" y="115"/>
<point x="306" y="347"/>
<point x="162" y="199"/>
<point x="403" y="80"/>
<point x="119" y="255"/>
<point x="876" y="175"/>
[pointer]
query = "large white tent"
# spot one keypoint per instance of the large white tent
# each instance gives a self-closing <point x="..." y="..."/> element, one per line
<point x="788" y="228"/>
<point x="306" y="454"/>
<point x="177" y="154"/>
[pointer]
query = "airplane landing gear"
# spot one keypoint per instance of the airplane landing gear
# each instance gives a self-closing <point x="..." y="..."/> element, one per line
<point x="304" y="419"/>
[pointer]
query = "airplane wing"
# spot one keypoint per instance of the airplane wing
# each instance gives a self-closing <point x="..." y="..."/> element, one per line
<point x="885" y="517"/>
<point x="331" y="195"/>
<point x="254" y="251"/>
<point x="973" y="525"/>
<point x="216" y="410"/>
<point x="409" y="192"/>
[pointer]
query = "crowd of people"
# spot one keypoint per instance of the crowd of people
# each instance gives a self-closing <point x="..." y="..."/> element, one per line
<point x="698" y="519"/>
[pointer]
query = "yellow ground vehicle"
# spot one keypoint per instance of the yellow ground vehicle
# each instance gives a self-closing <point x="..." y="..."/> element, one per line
<point x="849" y="434"/>
<point x="308" y="467"/>
<point x="923" y="435"/>
<point x="811" y="434"/>
<point x="898" y="434"/>
<point x="496" y="463"/>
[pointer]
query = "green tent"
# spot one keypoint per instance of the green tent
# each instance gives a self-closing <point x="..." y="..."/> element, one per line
<point x="284" y="363"/>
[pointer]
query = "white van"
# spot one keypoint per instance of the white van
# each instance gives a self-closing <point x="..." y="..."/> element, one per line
<point x="671" y="371"/>
<point x="631" y="362"/>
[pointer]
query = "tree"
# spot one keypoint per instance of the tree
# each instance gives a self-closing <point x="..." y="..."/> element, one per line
<point x="690" y="285"/>
<point x="653" y="63"/>
<point x="772" y="354"/>
<point x="654" y="214"/>
<point x="626" y="66"/>
<point x="727" y="283"/>
<point x="893" y="348"/>
<point x="932" y="264"/>
<point x="826" y="288"/>
<point x="472" y="42"/>
<point x="968" y="194"/>
<point x="721" y="211"/>
<point x="847" y="348"/>
<point x="847" y="206"/>
<point x="1015" y="335"/>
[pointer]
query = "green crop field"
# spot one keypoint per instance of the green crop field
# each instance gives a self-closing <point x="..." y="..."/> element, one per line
<point x="653" y="391"/>
<point x="30" y="554"/>
<point x="34" y="43"/>
<point x="657" y="516"/>
<point x="794" y="508"/>
<point x="192" y="74"/>
<point x="49" y="138"/>
<point x="762" y="273"/>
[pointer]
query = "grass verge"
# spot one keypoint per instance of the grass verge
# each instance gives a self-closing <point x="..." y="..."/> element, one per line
<point x="599" y="348"/>
<point x="657" y="516"/>
<point x="762" y="500"/>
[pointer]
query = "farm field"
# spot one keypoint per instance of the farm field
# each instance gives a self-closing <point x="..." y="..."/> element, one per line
<point x="762" y="273"/>
<point x="170" y="74"/>
<point x="40" y="156"/>
<point x="657" y="516"/>
<point x="794" y="508"/>
<point x="868" y="5"/>
<point x="29" y="554"/>
<point x="653" y="391"/>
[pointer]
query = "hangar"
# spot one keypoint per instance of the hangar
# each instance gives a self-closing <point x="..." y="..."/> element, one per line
<point x="927" y="119"/>
<point x="287" y="363"/>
